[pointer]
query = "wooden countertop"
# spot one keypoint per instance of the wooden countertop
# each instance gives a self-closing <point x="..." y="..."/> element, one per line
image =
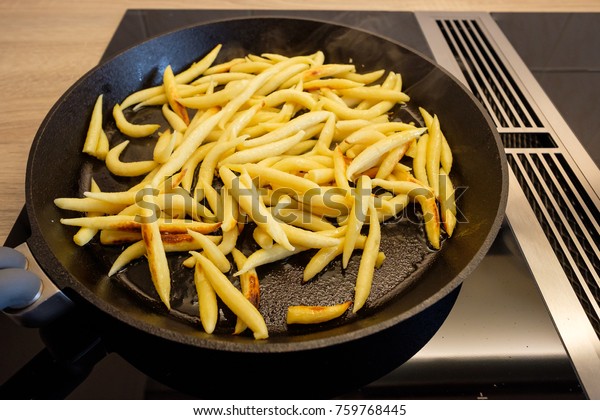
<point x="47" y="45"/>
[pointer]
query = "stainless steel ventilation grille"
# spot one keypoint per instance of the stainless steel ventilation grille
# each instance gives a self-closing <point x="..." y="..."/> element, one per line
<point x="559" y="201"/>
<point x="552" y="209"/>
<point x="559" y="204"/>
<point x="486" y="75"/>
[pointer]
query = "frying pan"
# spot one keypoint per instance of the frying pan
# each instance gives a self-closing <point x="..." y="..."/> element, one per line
<point x="317" y="361"/>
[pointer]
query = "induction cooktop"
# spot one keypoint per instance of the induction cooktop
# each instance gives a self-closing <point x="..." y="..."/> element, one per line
<point x="526" y="322"/>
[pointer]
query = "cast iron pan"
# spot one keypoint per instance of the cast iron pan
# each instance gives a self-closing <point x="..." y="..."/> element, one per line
<point x="333" y="358"/>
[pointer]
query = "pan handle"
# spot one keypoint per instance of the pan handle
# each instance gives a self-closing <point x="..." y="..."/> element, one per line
<point x="27" y="295"/>
<point x="72" y="349"/>
<point x="72" y="345"/>
<point x="19" y="287"/>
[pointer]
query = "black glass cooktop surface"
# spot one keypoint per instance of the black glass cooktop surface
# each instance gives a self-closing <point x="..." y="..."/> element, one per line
<point x="517" y="334"/>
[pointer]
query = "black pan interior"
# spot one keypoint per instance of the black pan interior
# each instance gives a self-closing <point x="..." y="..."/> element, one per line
<point x="56" y="166"/>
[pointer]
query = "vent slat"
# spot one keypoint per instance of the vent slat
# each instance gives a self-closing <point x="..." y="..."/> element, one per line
<point x="510" y="79"/>
<point x="584" y="250"/>
<point x="490" y="78"/>
<point x="495" y="103"/>
<point x="580" y="198"/>
<point x="527" y="140"/>
<point x="582" y="282"/>
<point x="516" y="102"/>
<point x="487" y="76"/>
<point x="479" y="93"/>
